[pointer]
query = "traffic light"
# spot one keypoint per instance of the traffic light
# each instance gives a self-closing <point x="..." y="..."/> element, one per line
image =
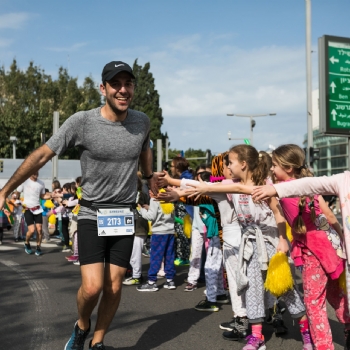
<point x="314" y="154"/>
<point x="252" y="124"/>
<point x="1" y="166"/>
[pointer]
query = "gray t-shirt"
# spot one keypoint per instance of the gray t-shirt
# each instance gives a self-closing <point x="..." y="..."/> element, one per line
<point x="109" y="153"/>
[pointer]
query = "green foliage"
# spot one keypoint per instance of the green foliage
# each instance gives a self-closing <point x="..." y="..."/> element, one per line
<point x="190" y="153"/>
<point x="146" y="99"/>
<point x="28" y="100"/>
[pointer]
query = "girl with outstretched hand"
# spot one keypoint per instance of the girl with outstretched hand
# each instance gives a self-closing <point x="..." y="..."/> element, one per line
<point x="316" y="246"/>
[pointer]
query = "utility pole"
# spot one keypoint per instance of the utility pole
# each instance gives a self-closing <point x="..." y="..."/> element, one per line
<point x="56" y="125"/>
<point x="310" y="136"/>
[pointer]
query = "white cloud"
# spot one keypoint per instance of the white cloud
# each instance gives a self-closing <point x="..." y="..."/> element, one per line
<point x="14" y="20"/>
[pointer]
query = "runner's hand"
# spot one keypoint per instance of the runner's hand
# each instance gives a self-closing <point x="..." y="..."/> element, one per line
<point x="152" y="184"/>
<point x="163" y="179"/>
<point x="170" y="195"/>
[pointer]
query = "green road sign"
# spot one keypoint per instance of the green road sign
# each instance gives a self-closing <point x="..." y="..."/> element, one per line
<point x="334" y="84"/>
<point x="246" y="141"/>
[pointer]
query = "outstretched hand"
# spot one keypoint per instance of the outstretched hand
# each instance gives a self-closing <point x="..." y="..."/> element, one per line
<point x="198" y="189"/>
<point x="162" y="180"/>
<point x="170" y="195"/>
<point x="261" y="193"/>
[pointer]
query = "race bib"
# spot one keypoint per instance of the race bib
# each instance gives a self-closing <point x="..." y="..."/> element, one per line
<point x="115" y="221"/>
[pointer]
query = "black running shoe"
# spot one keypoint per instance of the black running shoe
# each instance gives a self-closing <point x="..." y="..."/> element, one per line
<point x="234" y="335"/>
<point x="97" y="346"/>
<point x="77" y="339"/>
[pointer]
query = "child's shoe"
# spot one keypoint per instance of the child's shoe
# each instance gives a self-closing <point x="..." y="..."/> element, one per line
<point x="307" y="343"/>
<point x="254" y="343"/>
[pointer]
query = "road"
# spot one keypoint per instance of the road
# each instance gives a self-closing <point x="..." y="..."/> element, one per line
<point x="38" y="310"/>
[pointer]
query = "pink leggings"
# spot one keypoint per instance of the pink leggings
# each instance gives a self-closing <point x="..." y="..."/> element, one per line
<point x="317" y="288"/>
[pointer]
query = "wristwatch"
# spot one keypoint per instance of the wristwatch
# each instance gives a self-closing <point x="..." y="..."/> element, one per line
<point x="147" y="177"/>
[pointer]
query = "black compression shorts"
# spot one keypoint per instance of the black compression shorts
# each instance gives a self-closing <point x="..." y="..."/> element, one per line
<point x="93" y="248"/>
<point x="30" y="218"/>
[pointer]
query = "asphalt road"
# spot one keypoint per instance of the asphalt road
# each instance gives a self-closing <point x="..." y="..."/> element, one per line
<point x="38" y="310"/>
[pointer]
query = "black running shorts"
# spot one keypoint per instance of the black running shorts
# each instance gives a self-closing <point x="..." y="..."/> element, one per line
<point x="30" y="218"/>
<point x="93" y="248"/>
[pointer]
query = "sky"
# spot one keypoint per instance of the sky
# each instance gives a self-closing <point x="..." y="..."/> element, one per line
<point x="208" y="58"/>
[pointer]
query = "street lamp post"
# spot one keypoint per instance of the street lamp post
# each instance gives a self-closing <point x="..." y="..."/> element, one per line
<point x="252" y="121"/>
<point x="14" y="142"/>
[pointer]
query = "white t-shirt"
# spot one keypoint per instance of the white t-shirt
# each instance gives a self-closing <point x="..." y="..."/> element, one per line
<point x="32" y="190"/>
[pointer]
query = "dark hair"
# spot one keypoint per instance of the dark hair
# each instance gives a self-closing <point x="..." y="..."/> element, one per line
<point x="202" y="166"/>
<point x="257" y="165"/>
<point x="205" y="176"/>
<point x="78" y="181"/>
<point x="56" y="185"/>
<point x="73" y="187"/>
<point x="67" y="186"/>
<point x="180" y="164"/>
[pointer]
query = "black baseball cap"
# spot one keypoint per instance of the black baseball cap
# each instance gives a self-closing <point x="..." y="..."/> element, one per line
<point x="113" y="68"/>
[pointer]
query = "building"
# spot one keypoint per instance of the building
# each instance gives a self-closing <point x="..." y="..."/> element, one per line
<point x="333" y="149"/>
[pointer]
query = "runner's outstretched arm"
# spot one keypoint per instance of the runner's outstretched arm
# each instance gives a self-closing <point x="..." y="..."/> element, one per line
<point x="30" y="165"/>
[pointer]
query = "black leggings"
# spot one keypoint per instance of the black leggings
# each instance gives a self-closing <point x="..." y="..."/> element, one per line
<point x="65" y="232"/>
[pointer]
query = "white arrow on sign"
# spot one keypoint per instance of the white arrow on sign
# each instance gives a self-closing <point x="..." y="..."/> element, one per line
<point x="333" y="60"/>
<point x="334" y="113"/>
<point x="333" y="86"/>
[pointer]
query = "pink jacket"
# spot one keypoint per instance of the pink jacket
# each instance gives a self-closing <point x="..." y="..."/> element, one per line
<point x="338" y="185"/>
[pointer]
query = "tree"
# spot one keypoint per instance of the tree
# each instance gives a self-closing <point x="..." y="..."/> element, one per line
<point x="28" y="100"/>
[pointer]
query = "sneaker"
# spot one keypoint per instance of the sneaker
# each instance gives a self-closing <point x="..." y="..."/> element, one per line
<point x="97" y="346"/>
<point x="45" y="240"/>
<point x="27" y="248"/>
<point x="181" y="262"/>
<point x="38" y="251"/>
<point x="132" y="281"/>
<point x="206" y="305"/>
<point x="169" y="285"/>
<point x="228" y="326"/>
<point x="66" y="249"/>
<point x="254" y="343"/>
<point x="16" y="240"/>
<point x="190" y="287"/>
<point x="60" y="244"/>
<point x="347" y="339"/>
<point x="76" y="262"/>
<point x="234" y="335"/>
<point x="77" y="339"/>
<point x="0" y="242"/>
<point x="307" y="342"/>
<point x="278" y="327"/>
<point x="222" y="299"/>
<point x="147" y="287"/>
<point x="73" y="258"/>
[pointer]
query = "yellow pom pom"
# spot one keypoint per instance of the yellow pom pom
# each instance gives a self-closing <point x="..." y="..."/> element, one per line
<point x="342" y="281"/>
<point x="187" y="226"/>
<point x="149" y="227"/>
<point x="48" y="204"/>
<point x="289" y="233"/>
<point x="279" y="277"/>
<point x="52" y="219"/>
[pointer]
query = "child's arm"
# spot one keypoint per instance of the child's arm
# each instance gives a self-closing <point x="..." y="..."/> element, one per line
<point x="331" y="218"/>
<point x="204" y="188"/>
<point x="151" y="213"/>
<point x="306" y="186"/>
<point x="281" y="225"/>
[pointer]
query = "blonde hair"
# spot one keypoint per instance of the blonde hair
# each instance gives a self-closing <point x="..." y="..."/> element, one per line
<point x="292" y="156"/>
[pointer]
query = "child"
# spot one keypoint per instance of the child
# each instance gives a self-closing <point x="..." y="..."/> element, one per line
<point x="141" y="230"/>
<point x="263" y="234"/>
<point x="17" y="215"/>
<point x="316" y="245"/>
<point x="162" y="244"/>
